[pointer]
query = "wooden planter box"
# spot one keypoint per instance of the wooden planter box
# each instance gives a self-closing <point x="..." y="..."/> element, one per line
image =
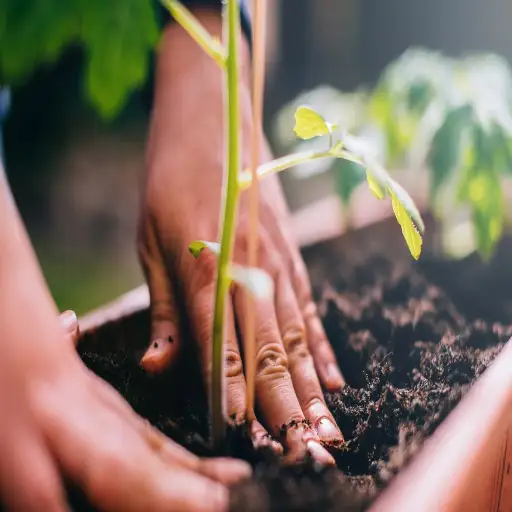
<point x="464" y="466"/>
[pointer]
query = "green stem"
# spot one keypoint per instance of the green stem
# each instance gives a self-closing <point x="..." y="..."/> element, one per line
<point x="285" y="162"/>
<point x="228" y="217"/>
<point x="196" y="30"/>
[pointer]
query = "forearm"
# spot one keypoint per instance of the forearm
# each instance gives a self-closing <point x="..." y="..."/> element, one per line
<point x="29" y="328"/>
<point x="189" y="89"/>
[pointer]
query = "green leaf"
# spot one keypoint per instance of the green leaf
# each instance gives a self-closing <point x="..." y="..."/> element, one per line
<point x="309" y="124"/>
<point x="256" y="281"/>
<point x="445" y="152"/>
<point x="396" y="190"/>
<point x="418" y="97"/>
<point x="197" y="247"/>
<point x="480" y="187"/>
<point x="33" y="32"/>
<point x="411" y="234"/>
<point x="349" y="175"/>
<point x="119" y="36"/>
<point x="376" y="189"/>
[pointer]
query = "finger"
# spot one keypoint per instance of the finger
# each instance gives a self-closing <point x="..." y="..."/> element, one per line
<point x="274" y="388"/>
<point x="320" y="348"/>
<point x="29" y="479"/>
<point x="118" y="469"/>
<point x="261" y="438"/>
<point x="226" y="471"/>
<point x="69" y="322"/>
<point x="165" y="343"/>
<point x="201" y="300"/>
<point x="301" y="365"/>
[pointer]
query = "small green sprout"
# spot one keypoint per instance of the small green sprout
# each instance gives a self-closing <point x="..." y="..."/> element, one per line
<point x="308" y="124"/>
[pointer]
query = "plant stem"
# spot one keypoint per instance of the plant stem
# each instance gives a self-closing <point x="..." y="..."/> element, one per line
<point x="258" y="71"/>
<point x="194" y="28"/>
<point x="228" y="217"/>
<point x="285" y="162"/>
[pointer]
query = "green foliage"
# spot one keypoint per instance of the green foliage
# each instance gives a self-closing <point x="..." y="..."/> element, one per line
<point x="117" y="37"/>
<point x="445" y="151"/>
<point x="349" y="175"/>
<point x="197" y="247"/>
<point x="450" y="117"/>
<point x="309" y="124"/>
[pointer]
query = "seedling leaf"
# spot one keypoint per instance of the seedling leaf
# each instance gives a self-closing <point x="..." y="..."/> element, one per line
<point x="375" y="188"/>
<point x="197" y="247"/>
<point x="411" y="234"/>
<point x="309" y="124"/>
<point x="256" y="281"/>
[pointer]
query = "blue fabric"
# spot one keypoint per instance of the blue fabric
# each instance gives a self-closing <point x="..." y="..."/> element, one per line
<point x="5" y="101"/>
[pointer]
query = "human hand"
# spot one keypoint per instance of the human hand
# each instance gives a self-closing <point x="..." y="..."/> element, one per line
<point x="61" y="423"/>
<point x="181" y="204"/>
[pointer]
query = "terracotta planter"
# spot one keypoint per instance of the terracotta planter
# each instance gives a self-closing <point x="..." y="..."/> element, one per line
<point x="464" y="466"/>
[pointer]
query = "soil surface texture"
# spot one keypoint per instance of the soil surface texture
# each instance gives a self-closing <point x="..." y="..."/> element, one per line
<point x="410" y="342"/>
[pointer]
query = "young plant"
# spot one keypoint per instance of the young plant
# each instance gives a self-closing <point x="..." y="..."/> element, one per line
<point x="309" y="124"/>
<point x="450" y="119"/>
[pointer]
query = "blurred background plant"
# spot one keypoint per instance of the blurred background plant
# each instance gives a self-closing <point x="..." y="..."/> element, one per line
<point x="80" y="75"/>
<point x="446" y="121"/>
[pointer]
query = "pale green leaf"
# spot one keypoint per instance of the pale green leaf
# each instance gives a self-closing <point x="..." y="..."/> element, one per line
<point x="197" y="247"/>
<point x="376" y="189"/>
<point x="256" y="281"/>
<point x="309" y="124"/>
<point x="409" y="231"/>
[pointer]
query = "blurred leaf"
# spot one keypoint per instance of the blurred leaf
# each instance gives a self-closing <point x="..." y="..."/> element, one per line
<point x="376" y="189"/>
<point x="480" y="187"/>
<point x="502" y="149"/>
<point x="408" y="204"/>
<point x="197" y="247"/>
<point x="482" y="190"/>
<point x="349" y="175"/>
<point x="256" y="281"/>
<point x="34" y="31"/>
<point x="445" y="151"/>
<point x="418" y="97"/>
<point x="118" y="36"/>
<point x="309" y="124"/>
<point x="409" y="230"/>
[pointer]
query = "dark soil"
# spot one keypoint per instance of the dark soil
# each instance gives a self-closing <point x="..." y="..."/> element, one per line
<point x="409" y="350"/>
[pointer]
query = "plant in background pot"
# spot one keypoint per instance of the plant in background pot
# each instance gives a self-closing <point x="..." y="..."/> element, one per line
<point x="448" y="123"/>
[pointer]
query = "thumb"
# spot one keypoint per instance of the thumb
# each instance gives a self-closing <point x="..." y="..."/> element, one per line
<point x="69" y="322"/>
<point x="165" y="344"/>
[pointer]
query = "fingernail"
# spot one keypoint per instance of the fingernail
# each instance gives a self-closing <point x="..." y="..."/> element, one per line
<point x="334" y="377"/>
<point x="157" y="356"/>
<point x="319" y="453"/>
<point x="69" y="321"/>
<point x="327" y="430"/>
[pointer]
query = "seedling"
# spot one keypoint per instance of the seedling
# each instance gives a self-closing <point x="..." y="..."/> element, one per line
<point x="308" y="124"/>
<point x="451" y="118"/>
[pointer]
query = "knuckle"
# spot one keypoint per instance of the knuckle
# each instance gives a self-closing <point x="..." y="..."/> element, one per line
<point x="294" y="340"/>
<point x="271" y="360"/>
<point x="309" y="311"/>
<point x="233" y="362"/>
